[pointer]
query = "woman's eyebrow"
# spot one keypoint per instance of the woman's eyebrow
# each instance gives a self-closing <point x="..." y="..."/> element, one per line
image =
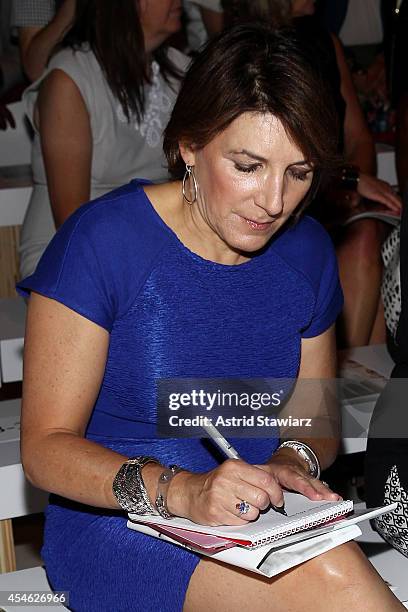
<point x="249" y="154"/>
<point x="302" y="162"/>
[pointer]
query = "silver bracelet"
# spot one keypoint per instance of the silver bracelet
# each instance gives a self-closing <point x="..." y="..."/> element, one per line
<point x="129" y="489"/>
<point x="162" y="488"/>
<point x="307" y="454"/>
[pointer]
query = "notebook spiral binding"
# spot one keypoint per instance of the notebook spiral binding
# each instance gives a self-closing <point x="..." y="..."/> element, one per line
<point x="282" y="530"/>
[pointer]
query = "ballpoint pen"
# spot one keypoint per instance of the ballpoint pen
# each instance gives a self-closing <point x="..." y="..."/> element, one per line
<point x="230" y="452"/>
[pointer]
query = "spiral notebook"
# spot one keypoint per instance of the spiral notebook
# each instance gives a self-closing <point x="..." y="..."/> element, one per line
<point x="273" y="543"/>
<point x="302" y="514"/>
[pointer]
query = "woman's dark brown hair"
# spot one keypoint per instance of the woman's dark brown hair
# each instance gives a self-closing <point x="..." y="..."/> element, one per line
<point x="252" y="68"/>
<point x="114" y="33"/>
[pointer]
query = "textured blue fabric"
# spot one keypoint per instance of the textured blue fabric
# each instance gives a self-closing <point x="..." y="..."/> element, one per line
<point x="170" y="313"/>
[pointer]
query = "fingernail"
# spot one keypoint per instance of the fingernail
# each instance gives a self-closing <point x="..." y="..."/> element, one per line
<point x="280" y="509"/>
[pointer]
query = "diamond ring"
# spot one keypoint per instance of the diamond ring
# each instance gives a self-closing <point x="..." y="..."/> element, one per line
<point x="243" y="507"/>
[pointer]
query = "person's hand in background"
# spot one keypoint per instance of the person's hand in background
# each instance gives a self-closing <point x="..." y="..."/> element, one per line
<point x="6" y="118"/>
<point x="376" y="190"/>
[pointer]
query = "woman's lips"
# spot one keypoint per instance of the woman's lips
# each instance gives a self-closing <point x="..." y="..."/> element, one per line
<point x="256" y="225"/>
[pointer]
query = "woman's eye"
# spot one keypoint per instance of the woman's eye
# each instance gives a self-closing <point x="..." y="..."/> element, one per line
<point x="250" y="168"/>
<point x="299" y="175"/>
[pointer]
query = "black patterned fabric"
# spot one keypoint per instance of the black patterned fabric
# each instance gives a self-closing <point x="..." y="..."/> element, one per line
<point x="393" y="526"/>
<point x="386" y="468"/>
<point x="391" y="286"/>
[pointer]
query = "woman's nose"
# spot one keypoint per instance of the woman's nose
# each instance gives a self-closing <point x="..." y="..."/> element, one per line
<point x="270" y="199"/>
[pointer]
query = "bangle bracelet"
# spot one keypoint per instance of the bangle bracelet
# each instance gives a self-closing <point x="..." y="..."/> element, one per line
<point x="307" y="454"/>
<point x="129" y="489"/>
<point x="162" y="488"/>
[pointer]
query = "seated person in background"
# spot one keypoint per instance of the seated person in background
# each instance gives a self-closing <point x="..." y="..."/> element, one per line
<point x="10" y="68"/>
<point x="41" y="25"/>
<point x="358" y="248"/>
<point x="11" y="75"/>
<point x="215" y="274"/>
<point x="99" y="111"/>
<point x="204" y="19"/>
<point x="364" y="26"/>
<point x="386" y="460"/>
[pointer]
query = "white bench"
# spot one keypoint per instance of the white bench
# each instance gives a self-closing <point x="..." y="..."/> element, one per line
<point x="15" y="169"/>
<point x="12" y="328"/>
<point x="16" y="143"/>
<point x="13" y="203"/>
<point x="33" y="580"/>
<point x="386" y="163"/>
<point x="17" y="496"/>
<point x="356" y="413"/>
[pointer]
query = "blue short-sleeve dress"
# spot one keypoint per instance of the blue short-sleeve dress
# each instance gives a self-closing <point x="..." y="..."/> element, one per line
<point x="169" y="313"/>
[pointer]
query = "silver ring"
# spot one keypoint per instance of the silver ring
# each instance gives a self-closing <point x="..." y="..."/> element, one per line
<point x="243" y="507"/>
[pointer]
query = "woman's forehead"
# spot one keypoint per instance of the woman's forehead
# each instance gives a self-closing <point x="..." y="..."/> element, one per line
<point x="261" y="133"/>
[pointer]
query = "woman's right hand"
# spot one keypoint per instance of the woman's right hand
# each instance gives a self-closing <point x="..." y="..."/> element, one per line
<point x="211" y="498"/>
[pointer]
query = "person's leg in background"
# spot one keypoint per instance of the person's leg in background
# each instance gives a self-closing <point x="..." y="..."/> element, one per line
<point x="360" y="268"/>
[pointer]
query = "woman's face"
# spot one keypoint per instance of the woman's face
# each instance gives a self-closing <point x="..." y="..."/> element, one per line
<point x="300" y="8"/>
<point x="159" y="19"/>
<point x="251" y="177"/>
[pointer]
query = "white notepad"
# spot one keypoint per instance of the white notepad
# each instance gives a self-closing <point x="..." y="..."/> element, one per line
<point x="270" y="526"/>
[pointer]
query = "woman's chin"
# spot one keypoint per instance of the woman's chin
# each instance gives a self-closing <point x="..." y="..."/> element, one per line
<point x="250" y="244"/>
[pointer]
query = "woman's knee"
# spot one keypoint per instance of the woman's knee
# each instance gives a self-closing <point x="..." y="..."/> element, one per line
<point x="341" y="567"/>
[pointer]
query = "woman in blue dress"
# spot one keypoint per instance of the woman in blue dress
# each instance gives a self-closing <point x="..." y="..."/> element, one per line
<point x="214" y="276"/>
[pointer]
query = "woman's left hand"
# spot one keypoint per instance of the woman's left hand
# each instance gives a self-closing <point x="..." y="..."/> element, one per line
<point x="291" y="474"/>
<point x="376" y="190"/>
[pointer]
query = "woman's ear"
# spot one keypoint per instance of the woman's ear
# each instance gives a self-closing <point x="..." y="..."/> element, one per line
<point x="187" y="153"/>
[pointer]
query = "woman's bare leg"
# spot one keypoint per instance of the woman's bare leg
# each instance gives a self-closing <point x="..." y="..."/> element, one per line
<point x="378" y="333"/>
<point x="360" y="269"/>
<point x="337" y="581"/>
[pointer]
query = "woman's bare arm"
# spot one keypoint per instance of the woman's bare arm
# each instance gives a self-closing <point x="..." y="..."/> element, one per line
<point x="66" y="141"/>
<point x="314" y="397"/>
<point x="359" y="143"/>
<point x="64" y="362"/>
<point x="36" y="42"/>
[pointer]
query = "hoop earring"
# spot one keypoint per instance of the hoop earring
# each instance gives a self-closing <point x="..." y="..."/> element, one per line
<point x="189" y="174"/>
